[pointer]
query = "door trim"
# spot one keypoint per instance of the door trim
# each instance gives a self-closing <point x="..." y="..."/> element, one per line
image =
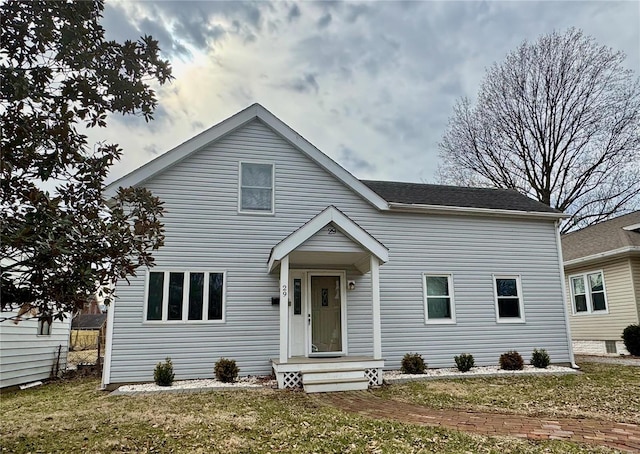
<point x="343" y="312"/>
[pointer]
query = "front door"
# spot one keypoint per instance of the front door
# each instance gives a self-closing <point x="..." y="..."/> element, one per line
<point x="326" y="314"/>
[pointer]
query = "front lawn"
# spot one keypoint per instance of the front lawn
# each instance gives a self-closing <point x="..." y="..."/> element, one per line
<point x="602" y="391"/>
<point x="74" y="416"/>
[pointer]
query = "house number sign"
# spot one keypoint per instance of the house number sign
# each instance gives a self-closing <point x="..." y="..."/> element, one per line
<point x="284" y="290"/>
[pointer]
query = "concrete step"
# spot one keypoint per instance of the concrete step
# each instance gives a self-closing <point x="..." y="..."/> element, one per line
<point x="330" y="386"/>
<point x="329" y="375"/>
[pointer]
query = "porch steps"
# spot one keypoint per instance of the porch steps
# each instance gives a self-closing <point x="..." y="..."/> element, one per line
<point x="332" y="380"/>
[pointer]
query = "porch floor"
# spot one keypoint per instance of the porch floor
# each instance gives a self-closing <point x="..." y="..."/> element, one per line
<point x="323" y="359"/>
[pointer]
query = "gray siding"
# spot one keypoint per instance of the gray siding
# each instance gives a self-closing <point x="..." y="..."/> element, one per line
<point x="621" y="302"/>
<point x="205" y="231"/>
<point x="26" y="357"/>
<point x="337" y="241"/>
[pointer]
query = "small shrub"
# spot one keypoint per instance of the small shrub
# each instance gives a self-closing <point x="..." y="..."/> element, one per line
<point x="511" y="361"/>
<point x="540" y="358"/>
<point x="631" y="338"/>
<point x="163" y="373"/>
<point x="226" y="370"/>
<point x="412" y="363"/>
<point x="464" y="362"/>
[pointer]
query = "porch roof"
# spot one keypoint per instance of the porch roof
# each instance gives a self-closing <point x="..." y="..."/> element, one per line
<point x="330" y="215"/>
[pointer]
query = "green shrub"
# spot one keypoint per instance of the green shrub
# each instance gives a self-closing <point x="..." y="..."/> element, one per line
<point x="540" y="358"/>
<point x="511" y="361"/>
<point x="412" y="363"/>
<point x="163" y="373"/>
<point x="464" y="362"/>
<point x="631" y="338"/>
<point x="226" y="370"/>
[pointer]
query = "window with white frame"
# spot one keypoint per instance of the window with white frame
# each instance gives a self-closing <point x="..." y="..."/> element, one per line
<point x="44" y="326"/>
<point x="588" y="293"/>
<point x="186" y="296"/>
<point x="256" y="188"/>
<point x="438" y="298"/>
<point x="508" y="299"/>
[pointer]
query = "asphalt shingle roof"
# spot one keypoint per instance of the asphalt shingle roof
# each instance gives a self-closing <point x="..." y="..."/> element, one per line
<point x="456" y="196"/>
<point x="602" y="237"/>
<point x="88" y="321"/>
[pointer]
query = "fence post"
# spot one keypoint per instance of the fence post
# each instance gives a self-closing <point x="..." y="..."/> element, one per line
<point x="99" y="363"/>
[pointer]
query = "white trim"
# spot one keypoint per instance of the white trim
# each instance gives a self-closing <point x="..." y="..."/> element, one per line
<point x="452" y="304"/>
<point x="602" y="255"/>
<point x="273" y="188"/>
<point x="346" y="225"/>
<point x="442" y="209"/>
<point x="517" y="278"/>
<point x="106" y="366"/>
<point x="375" y="307"/>
<point x="177" y="154"/>
<point x="284" y="309"/>
<point x="343" y="313"/>
<point x="563" y="287"/>
<point x="632" y="227"/>
<point x="587" y="294"/>
<point x="185" y="296"/>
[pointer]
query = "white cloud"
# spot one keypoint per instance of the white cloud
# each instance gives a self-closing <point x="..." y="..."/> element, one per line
<point x="370" y="84"/>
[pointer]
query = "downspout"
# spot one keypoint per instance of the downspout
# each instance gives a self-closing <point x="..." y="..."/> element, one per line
<point x="108" y="348"/>
<point x="564" y="295"/>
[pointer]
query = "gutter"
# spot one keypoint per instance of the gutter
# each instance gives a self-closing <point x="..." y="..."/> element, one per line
<point x="564" y="296"/>
<point x="441" y="209"/>
<point x="603" y="255"/>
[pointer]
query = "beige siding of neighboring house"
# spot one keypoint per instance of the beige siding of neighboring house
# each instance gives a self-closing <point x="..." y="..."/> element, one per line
<point x="635" y="268"/>
<point x="621" y="303"/>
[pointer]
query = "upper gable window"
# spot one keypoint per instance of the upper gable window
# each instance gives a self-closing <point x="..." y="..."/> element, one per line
<point x="256" y="188"/>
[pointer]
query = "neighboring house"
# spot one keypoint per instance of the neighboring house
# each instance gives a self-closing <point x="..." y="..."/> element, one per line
<point x="31" y="350"/>
<point x="602" y="268"/>
<point x="279" y="258"/>
<point x="87" y="330"/>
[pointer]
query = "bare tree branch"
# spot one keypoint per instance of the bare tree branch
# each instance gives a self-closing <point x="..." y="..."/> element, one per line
<point x="558" y="120"/>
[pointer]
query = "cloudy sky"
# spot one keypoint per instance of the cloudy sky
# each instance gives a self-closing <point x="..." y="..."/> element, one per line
<point x="371" y="84"/>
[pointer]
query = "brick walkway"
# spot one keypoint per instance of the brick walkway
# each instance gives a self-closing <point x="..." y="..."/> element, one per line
<point x="625" y="437"/>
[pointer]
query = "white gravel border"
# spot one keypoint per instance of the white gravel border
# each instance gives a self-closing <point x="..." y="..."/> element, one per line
<point x="395" y="376"/>
<point x="186" y="386"/>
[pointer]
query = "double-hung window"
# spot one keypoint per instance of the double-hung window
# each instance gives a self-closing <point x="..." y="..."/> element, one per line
<point x="588" y="293"/>
<point x="256" y="194"/>
<point x="508" y="299"/>
<point x="44" y="326"/>
<point x="438" y="298"/>
<point x="185" y="296"/>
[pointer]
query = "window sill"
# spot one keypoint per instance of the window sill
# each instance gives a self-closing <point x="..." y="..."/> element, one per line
<point x="257" y="213"/>
<point x="586" y="314"/>
<point x="515" y="321"/>
<point x="432" y="321"/>
<point x="183" y="322"/>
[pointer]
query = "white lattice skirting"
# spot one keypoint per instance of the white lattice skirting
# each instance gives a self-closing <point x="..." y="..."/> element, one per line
<point x="292" y="380"/>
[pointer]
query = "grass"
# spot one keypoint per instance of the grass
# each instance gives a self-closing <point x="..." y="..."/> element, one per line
<point x="74" y="416"/>
<point x="602" y="391"/>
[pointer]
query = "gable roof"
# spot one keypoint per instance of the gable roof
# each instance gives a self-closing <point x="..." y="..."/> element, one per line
<point x="456" y="196"/>
<point x="383" y="195"/>
<point x="311" y="227"/>
<point x="255" y="111"/>
<point x="613" y="237"/>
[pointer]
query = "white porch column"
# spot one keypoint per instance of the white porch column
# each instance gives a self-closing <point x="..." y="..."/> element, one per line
<point x="284" y="309"/>
<point x="375" y="307"/>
